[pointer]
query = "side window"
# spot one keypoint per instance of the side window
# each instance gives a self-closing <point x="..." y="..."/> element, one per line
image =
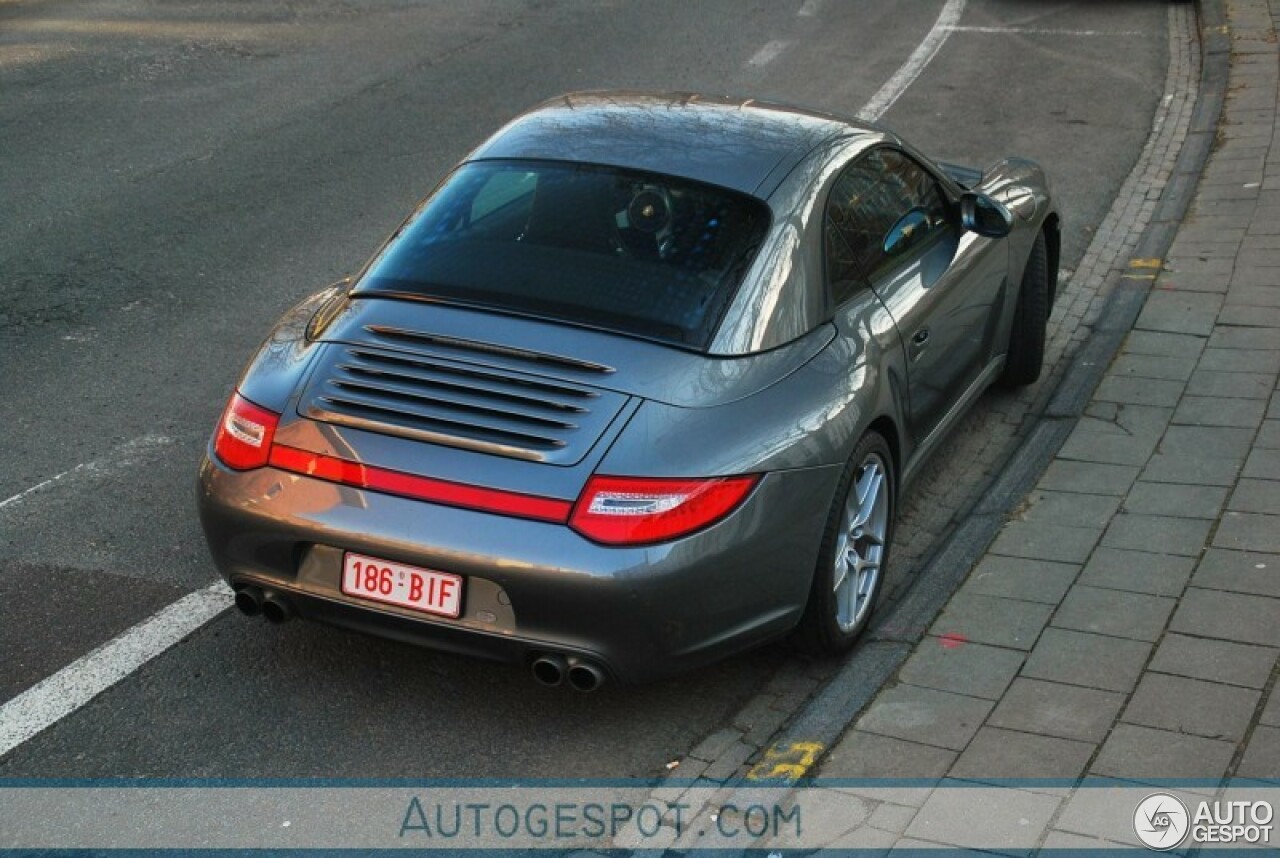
<point x="867" y="202"/>
<point x="918" y="192"/>
<point x="856" y="224"/>
<point x="844" y="274"/>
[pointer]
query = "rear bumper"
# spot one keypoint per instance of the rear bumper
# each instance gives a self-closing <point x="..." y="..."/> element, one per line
<point x="531" y="587"/>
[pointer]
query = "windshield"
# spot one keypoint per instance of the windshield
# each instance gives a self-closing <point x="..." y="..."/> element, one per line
<point x="638" y="253"/>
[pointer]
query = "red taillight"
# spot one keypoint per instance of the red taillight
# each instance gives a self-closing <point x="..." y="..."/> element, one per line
<point x="243" y="439"/>
<point x="348" y="473"/>
<point x="637" y="510"/>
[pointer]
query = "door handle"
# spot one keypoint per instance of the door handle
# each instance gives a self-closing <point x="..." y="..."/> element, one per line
<point x="919" y="340"/>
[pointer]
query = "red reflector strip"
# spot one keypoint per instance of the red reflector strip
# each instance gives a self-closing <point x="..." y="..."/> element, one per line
<point x="335" y="470"/>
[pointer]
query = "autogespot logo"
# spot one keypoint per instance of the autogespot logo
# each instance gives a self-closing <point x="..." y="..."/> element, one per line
<point x="1161" y="821"/>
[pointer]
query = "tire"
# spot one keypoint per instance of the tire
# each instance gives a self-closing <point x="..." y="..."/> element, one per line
<point x="835" y="617"/>
<point x="1025" y="357"/>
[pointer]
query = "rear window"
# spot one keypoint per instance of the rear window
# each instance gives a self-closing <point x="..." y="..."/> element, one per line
<point x="638" y="253"/>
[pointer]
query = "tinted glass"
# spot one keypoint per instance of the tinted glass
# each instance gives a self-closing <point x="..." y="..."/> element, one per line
<point x="844" y="273"/>
<point x="866" y="202"/>
<point x="637" y="253"/>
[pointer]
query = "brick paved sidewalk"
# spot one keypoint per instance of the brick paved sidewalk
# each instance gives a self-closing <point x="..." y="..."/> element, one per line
<point x="1126" y="622"/>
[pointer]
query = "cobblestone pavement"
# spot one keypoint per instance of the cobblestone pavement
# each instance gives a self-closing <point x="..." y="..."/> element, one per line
<point x="1126" y="621"/>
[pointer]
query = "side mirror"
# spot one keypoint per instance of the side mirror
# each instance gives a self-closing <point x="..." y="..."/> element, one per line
<point x="910" y="227"/>
<point x="986" y="217"/>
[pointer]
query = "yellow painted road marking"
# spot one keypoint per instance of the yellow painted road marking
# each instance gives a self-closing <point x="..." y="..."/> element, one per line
<point x="1137" y="277"/>
<point x="787" y="761"/>
<point x="1145" y="263"/>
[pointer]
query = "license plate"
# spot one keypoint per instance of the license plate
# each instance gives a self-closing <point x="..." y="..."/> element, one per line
<point x="397" y="584"/>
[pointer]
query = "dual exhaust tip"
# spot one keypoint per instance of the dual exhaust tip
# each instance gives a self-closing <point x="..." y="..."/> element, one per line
<point x="256" y="602"/>
<point x="549" y="669"/>
<point x="582" y="675"/>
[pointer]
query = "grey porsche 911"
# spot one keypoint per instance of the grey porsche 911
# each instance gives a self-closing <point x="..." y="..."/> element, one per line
<point x="637" y="386"/>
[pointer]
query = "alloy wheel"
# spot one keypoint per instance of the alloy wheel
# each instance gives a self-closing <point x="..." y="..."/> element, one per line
<point x="860" y="545"/>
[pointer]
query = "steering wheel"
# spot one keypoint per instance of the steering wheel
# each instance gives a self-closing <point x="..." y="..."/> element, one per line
<point x="643" y="225"/>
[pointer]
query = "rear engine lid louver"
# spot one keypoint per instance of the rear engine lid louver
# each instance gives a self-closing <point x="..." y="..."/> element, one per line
<point x="424" y="391"/>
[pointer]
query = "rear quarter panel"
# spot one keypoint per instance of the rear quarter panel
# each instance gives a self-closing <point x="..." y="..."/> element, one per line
<point x="811" y="418"/>
<point x="272" y="374"/>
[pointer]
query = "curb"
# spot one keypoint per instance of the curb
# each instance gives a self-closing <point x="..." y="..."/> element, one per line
<point x="830" y="712"/>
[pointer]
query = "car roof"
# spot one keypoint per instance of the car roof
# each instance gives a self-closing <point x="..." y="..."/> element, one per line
<point x="743" y="144"/>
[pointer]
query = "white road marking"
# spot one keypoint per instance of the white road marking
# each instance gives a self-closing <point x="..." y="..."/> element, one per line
<point x="1043" y="31"/>
<point x="121" y="457"/>
<point x="809" y="8"/>
<point x="61" y="694"/>
<point x="769" y="52"/>
<point x="1162" y="114"/>
<point x="56" y="697"/>
<point x="915" y="64"/>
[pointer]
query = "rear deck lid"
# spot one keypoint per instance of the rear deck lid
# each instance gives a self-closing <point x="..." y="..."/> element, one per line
<point x="503" y="401"/>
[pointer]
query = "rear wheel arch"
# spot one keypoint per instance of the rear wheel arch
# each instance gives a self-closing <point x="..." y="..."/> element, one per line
<point x="888" y="429"/>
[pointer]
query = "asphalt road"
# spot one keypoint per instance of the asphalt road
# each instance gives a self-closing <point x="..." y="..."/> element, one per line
<point x="174" y="175"/>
